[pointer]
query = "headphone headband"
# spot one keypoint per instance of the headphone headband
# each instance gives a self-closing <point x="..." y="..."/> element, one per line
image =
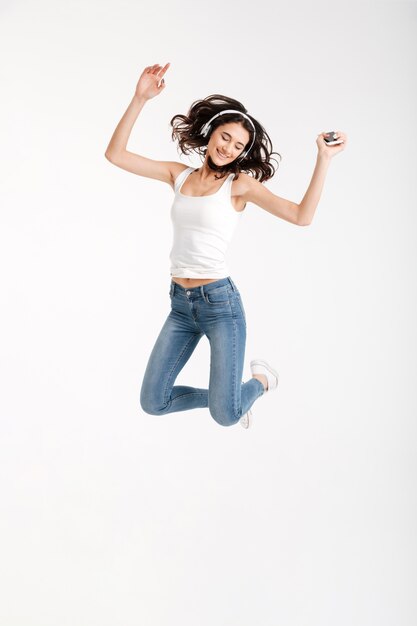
<point x="206" y="128"/>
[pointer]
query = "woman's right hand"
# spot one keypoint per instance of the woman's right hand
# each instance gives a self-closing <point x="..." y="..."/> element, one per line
<point x="151" y="81"/>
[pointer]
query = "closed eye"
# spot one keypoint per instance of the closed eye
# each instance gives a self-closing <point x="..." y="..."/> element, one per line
<point x="239" y="147"/>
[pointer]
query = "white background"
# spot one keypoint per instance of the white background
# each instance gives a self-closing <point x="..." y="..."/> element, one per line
<point x="110" y="516"/>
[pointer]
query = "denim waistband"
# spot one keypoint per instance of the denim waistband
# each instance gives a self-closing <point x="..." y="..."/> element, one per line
<point x="202" y="289"/>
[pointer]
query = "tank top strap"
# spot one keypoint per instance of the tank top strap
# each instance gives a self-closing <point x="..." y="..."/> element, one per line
<point x="181" y="177"/>
<point x="225" y="188"/>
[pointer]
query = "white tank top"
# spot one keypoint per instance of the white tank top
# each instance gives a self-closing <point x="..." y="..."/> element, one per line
<point x="203" y="228"/>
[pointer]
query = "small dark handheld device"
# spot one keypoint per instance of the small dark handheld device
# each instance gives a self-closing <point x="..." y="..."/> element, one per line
<point x="330" y="139"/>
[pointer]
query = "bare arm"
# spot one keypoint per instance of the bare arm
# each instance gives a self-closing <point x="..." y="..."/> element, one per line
<point x="309" y="203"/>
<point x="260" y="195"/>
<point x="149" y="85"/>
<point x="121" y="135"/>
<point x="301" y="214"/>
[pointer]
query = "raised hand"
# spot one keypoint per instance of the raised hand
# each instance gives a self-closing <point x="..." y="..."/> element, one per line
<point x="330" y="151"/>
<point x="151" y="81"/>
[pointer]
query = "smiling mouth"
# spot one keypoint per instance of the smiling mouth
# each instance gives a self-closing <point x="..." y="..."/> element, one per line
<point x="221" y="155"/>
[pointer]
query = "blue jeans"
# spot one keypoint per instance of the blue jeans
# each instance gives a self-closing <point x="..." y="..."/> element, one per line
<point x="214" y="310"/>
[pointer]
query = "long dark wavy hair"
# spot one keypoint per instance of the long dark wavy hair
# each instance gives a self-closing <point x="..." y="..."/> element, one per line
<point x="186" y="130"/>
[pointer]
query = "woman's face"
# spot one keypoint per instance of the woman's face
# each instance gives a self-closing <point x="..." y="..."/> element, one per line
<point x="227" y="142"/>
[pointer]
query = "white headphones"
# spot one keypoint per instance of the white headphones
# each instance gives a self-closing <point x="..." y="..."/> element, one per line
<point x="206" y="128"/>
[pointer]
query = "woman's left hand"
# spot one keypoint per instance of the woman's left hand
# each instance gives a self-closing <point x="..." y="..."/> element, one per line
<point x="330" y="151"/>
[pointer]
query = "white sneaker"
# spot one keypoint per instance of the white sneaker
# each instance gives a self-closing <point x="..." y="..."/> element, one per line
<point x="246" y="420"/>
<point x="262" y="367"/>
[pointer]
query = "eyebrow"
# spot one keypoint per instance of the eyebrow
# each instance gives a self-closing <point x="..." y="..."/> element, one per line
<point x="226" y="133"/>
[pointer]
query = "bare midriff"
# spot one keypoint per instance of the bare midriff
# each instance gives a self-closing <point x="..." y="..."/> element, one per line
<point x="192" y="282"/>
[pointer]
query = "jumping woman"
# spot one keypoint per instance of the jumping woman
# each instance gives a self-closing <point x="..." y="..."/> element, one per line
<point x="208" y="204"/>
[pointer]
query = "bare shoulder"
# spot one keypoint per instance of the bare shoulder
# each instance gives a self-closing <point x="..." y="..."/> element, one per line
<point x="176" y="169"/>
<point x="241" y="186"/>
<point x="239" y="190"/>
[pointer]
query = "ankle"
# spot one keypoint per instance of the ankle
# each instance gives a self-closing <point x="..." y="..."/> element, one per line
<point x="263" y="379"/>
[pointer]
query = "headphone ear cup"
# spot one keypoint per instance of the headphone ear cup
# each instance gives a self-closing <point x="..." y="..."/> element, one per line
<point x="204" y="130"/>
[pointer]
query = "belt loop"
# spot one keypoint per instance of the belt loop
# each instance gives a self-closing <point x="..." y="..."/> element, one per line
<point x="232" y="283"/>
<point x="172" y="288"/>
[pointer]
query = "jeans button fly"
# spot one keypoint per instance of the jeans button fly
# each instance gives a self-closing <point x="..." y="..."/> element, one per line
<point x="188" y="293"/>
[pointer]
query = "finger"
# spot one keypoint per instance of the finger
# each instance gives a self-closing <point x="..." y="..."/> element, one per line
<point x="162" y="71"/>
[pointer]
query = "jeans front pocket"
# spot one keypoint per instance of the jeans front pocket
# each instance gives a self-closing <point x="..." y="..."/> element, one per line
<point x="218" y="296"/>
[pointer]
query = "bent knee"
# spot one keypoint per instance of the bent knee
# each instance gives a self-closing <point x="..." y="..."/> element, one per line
<point x="224" y="418"/>
<point x="151" y="407"/>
